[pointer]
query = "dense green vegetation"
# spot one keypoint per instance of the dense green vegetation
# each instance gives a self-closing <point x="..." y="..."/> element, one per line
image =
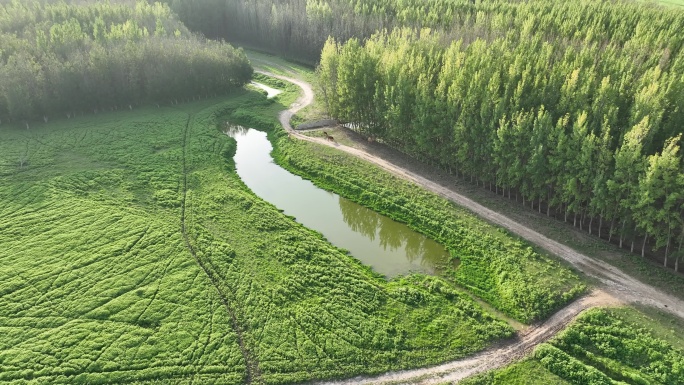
<point x="583" y="130"/>
<point x="101" y="283"/>
<point x="133" y="253"/>
<point x="299" y="28"/>
<point x="64" y="59"/>
<point x="525" y="372"/>
<point x="604" y="346"/>
<point x="505" y="271"/>
<point x="572" y="107"/>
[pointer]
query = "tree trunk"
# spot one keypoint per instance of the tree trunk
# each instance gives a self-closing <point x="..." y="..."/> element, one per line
<point x="667" y="246"/>
<point x="600" y="225"/>
<point x="574" y="220"/>
<point x="633" y="236"/>
<point x="643" y="247"/>
<point x="622" y="232"/>
<point x="679" y="256"/>
<point x="566" y="214"/>
<point x="591" y="221"/>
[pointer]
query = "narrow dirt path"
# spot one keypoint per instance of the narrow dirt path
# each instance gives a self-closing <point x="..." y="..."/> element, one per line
<point x="253" y="373"/>
<point x="616" y="286"/>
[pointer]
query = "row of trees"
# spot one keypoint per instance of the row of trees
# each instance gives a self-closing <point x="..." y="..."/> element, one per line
<point x="299" y="28"/>
<point x="59" y="57"/>
<point x="589" y="131"/>
<point x="296" y="29"/>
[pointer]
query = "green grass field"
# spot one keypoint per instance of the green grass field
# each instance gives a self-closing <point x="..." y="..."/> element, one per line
<point x="676" y="3"/>
<point x="525" y="372"/>
<point x="97" y="284"/>
<point x="604" y="346"/>
<point x="102" y="285"/>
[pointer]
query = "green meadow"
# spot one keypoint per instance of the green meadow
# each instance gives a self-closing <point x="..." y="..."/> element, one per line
<point x="132" y="252"/>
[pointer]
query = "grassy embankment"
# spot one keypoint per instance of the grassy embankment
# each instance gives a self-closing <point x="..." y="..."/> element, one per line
<point x="616" y="346"/>
<point x="503" y="270"/>
<point x="100" y="285"/>
<point x="496" y="266"/>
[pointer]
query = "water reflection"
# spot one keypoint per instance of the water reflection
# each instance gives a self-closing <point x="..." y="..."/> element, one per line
<point x="355" y="217"/>
<point x="235" y="129"/>
<point x="389" y="247"/>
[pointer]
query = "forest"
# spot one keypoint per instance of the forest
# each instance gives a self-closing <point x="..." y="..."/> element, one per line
<point x="572" y="108"/>
<point x="588" y="130"/>
<point x="65" y="59"/>
<point x="561" y="130"/>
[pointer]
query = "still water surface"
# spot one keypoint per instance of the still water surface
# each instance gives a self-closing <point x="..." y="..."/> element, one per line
<point x="389" y="247"/>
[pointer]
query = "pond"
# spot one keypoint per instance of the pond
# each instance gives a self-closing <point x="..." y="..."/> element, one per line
<point x="389" y="247"/>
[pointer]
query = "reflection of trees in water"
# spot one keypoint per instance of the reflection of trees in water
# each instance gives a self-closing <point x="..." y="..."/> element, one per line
<point x="415" y="249"/>
<point x="359" y="218"/>
<point x="393" y="235"/>
<point x="234" y="129"/>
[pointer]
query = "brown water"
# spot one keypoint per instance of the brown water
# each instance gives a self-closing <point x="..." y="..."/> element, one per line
<point x="389" y="247"/>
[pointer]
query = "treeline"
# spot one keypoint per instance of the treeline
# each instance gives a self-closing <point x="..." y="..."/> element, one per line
<point x="590" y="131"/>
<point x="298" y="29"/>
<point x="66" y="58"/>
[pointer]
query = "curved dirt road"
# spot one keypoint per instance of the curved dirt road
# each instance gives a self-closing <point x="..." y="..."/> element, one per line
<point x="616" y="285"/>
<point x="493" y="358"/>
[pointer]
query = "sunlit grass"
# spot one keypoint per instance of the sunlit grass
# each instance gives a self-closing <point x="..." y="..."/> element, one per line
<point x="99" y="285"/>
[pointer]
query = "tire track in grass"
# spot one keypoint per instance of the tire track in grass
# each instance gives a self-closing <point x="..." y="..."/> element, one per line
<point x="156" y="291"/>
<point x="253" y="374"/>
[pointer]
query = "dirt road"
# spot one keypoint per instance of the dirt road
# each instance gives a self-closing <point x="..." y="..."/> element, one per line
<point x="616" y="286"/>
<point x="493" y="358"/>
